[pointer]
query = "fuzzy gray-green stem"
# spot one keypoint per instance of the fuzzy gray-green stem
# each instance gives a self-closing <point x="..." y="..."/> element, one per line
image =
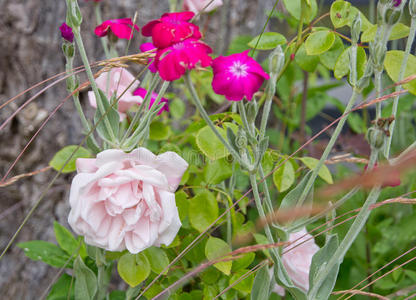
<point x="409" y="44"/>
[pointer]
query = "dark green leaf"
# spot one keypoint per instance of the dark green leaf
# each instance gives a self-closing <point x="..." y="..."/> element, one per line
<point x="68" y="242"/>
<point x="62" y="288"/>
<point x="85" y="281"/>
<point x="47" y="252"/>
<point x="329" y="58"/>
<point x="261" y="285"/>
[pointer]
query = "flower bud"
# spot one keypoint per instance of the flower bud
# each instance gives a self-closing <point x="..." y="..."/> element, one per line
<point x="392" y="16"/>
<point x="412" y="8"/>
<point x="276" y="62"/>
<point x="73" y="14"/>
<point x="376" y="138"/>
<point x="356" y="29"/>
<point x="68" y="50"/>
<point x="252" y="110"/>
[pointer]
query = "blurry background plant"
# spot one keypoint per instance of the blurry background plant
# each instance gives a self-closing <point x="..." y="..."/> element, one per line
<point x="307" y="99"/>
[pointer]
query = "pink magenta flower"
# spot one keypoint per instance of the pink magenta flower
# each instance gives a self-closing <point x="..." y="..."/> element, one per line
<point x="119" y="81"/>
<point x="147" y="47"/>
<point x="66" y="32"/>
<point x="396" y="3"/>
<point x="172" y="62"/>
<point x="122" y="28"/>
<point x="237" y="76"/>
<point x="197" y="6"/>
<point x="171" y="28"/>
<point x="297" y="259"/>
<point x="126" y="200"/>
<point x="142" y="93"/>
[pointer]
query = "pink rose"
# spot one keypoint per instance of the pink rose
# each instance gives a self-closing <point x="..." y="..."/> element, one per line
<point x="122" y="83"/>
<point x="126" y="200"/>
<point x="197" y="6"/>
<point x="297" y="260"/>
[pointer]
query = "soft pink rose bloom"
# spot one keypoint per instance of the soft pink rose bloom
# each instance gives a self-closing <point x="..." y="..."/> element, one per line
<point x="126" y="200"/>
<point x="237" y="76"/>
<point x="147" y="47"/>
<point x="118" y="83"/>
<point x="142" y="93"/>
<point x="171" y="28"/>
<point x="197" y="6"/>
<point x="297" y="260"/>
<point x="172" y="62"/>
<point x="122" y="28"/>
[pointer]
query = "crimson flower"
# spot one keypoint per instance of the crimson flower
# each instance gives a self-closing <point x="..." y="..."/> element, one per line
<point x="142" y="93"/>
<point x="172" y="62"/>
<point x="171" y="28"/>
<point x="122" y="28"/>
<point x="66" y="32"/>
<point x="147" y="47"/>
<point x="237" y="76"/>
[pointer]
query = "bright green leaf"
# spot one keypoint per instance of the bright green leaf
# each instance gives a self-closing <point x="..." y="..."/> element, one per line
<point x="329" y="58"/>
<point x="244" y="285"/>
<point x="268" y="41"/>
<point x="339" y="13"/>
<point x="203" y="210"/>
<point x="294" y="8"/>
<point x="177" y="108"/>
<point x="217" y="171"/>
<point x="61" y="157"/>
<point x="243" y="262"/>
<point x="342" y="66"/>
<point x="393" y="63"/>
<point x="399" y="31"/>
<point x="217" y="248"/>
<point x="284" y="177"/>
<point x="68" y="242"/>
<point x="157" y="258"/>
<point x="85" y="281"/>
<point x="305" y="61"/>
<point x="319" y="42"/>
<point x="47" y="252"/>
<point x="133" y="268"/>
<point x="324" y="173"/>
<point x="159" y="131"/>
<point x="209" y="143"/>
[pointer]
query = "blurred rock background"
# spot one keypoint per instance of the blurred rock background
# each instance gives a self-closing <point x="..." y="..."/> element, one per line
<point x="29" y="53"/>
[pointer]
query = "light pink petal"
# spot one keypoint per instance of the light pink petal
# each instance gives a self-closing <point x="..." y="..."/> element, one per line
<point x="86" y="165"/>
<point x="172" y="166"/>
<point x="170" y="224"/>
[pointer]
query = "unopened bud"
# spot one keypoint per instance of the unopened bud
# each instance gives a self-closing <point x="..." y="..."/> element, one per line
<point x="73" y="14"/>
<point x="356" y="29"/>
<point x="392" y="16"/>
<point x="252" y="110"/>
<point x="412" y="8"/>
<point x="68" y="50"/>
<point x="376" y="138"/>
<point x="276" y="62"/>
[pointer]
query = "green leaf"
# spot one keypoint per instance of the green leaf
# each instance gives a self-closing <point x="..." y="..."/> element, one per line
<point x="319" y="261"/>
<point x="216" y="248"/>
<point x="239" y="44"/>
<point x="60" y="158"/>
<point x="399" y="31"/>
<point x="203" y="210"/>
<point x="261" y="285"/>
<point x="182" y="203"/>
<point x="111" y="115"/>
<point x="292" y="198"/>
<point x="243" y="262"/>
<point x="68" y="242"/>
<point x="47" y="252"/>
<point x="393" y="63"/>
<point x="209" y="143"/>
<point x="319" y="42"/>
<point x="210" y="275"/>
<point x="159" y="131"/>
<point x="217" y="171"/>
<point x="305" y="61"/>
<point x="324" y="173"/>
<point x="284" y="177"/>
<point x="62" y="289"/>
<point x="244" y="285"/>
<point x="329" y="58"/>
<point x="294" y="8"/>
<point x="268" y="41"/>
<point x="85" y="281"/>
<point x="340" y="13"/>
<point x="133" y="268"/>
<point x="177" y="108"/>
<point x="157" y="258"/>
<point x="343" y="62"/>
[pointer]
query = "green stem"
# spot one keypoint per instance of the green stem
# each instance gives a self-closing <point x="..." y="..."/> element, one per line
<point x="329" y="147"/>
<point x="409" y="44"/>
<point x="244" y="119"/>
<point x="84" y="58"/>
<point x="267" y="107"/>
<point x="204" y="115"/>
<point x="349" y="238"/>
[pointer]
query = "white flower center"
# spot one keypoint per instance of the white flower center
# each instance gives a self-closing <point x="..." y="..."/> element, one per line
<point x="238" y="69"/>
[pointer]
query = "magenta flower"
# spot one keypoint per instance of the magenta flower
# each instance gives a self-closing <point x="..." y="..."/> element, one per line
<point x="171" y="28"/>
<point x="142" y="93"/>
<point x="147" y="47"/>
<point x="237" y="76"/>
<point x="172" y="62"/>
<point x="397" y="3"/>
<point x="122" y="28"/>
<point x="66" y="32"/>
